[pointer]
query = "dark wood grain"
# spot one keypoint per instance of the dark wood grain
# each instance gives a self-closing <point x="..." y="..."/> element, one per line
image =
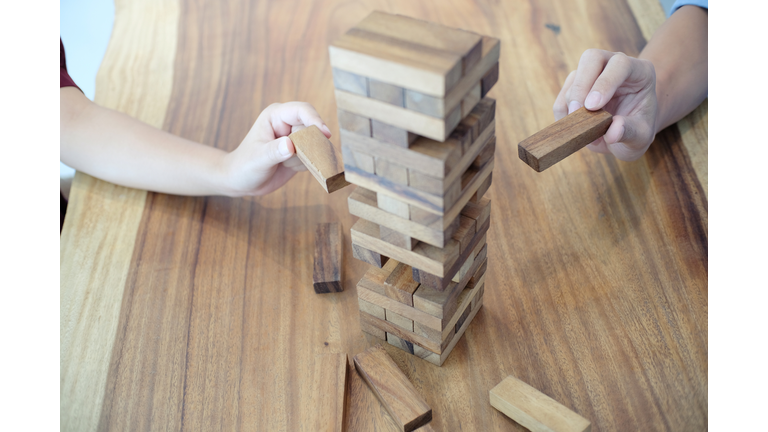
<point x="596" y="289"/>
<point x="406" y="406"/>
<point x="563" y="137"/>
<point x="320" y="158"/>
<point x="327" y="269"/>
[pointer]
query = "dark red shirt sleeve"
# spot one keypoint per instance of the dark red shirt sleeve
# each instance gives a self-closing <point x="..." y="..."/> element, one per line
<point x="66" y="80"/>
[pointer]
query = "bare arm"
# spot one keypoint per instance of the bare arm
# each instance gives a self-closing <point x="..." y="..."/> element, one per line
<point x="120" y="149"/>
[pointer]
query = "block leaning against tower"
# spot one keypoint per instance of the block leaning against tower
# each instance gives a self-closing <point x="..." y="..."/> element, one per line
<point x="418" y="139"/>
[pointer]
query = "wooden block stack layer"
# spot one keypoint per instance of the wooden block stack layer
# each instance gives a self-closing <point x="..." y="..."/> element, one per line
<point x="418" y="138"/>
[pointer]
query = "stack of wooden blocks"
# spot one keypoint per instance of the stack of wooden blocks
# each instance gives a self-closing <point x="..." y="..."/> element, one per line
<point x="418" y="140"/>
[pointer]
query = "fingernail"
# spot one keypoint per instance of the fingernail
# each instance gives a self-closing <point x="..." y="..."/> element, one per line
<point x="283" y="148"/>
<point x="593" y="100"/>
<point x="573" y="106"/>
<point x="325" y="128"/>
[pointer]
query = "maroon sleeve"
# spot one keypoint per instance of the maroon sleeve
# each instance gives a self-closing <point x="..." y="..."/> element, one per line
<point x="66" y="80"/>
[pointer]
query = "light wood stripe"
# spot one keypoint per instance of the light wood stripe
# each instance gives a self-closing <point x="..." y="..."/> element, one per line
<point x="97" y="240"/>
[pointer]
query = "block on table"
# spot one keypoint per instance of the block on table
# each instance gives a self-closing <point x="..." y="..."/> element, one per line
<point x="320" y="158"/>
<point x="399" y="397"/>
<point x="533" y="409"/>
<point x="326" y="273"/>
<point x="331" y="373"/>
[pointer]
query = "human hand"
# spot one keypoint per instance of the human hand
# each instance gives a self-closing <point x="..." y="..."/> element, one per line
<point x="625" y="87"/>
<point x="266" y="159"/>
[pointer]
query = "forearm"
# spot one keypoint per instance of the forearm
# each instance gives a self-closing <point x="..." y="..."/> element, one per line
<point x="678" y="51"/>
<point x="120" y="149"/>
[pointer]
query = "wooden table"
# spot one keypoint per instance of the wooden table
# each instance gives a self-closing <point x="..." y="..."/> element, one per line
<point x="199" y="313"/>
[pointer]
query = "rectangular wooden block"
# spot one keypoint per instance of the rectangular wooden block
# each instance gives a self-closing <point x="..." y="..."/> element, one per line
<point x="470" y="100"/>
<point x="397" y="238"/>
<point x="484" y="186"/>
<point x="320" y="158"/>
<point x="399" y="320"/>
<point x="326" y="273"/>
<point x="485" y="154"/>
<point x="391" y="171"/>
<point x="466" y="232"/>
<point x="441" y="282"/>
<point x="354" y="123"/>
<point x="533" y="409"/>
<point x="489" y="79"/>
<point x="399" y="397"/>
<point x="350" y="82"/>
<point x="391" y="134"/>
<point x="426" y="155"/>
<point x="387" y="303"/>
<point x="389" y="204"/>
<point x="371" y="308"/>
<point x="400" y="343"/>
<point x="400" y="285"/>
<point x="424" y="182"/>
<point x="439" y="359"/>
<point x="480" y="211"/>
<point x="464" y="43"/>
<point x="563" y="138"/>
<point x="329" y="381"/>
<point x="372" y="330"/>
<point x="368" y="256"/>
<point x="394" y="61"/>
<point x="402" y="333"/>
<point x="464" y="269"/>
<point x="388" y="93"/>
<point x="480" y="272"/>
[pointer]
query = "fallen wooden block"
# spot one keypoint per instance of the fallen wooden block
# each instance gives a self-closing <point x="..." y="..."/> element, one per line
<point x="326" y="274"/>
<point x="563" y="138"/>
<point x="407" y="407"/>
<point x="320" y="158"/>
<point x="533" y="409"/>
<point x="331" y="373"/>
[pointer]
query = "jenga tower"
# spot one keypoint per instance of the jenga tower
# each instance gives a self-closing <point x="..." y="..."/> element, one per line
<point x="418" y="139"/>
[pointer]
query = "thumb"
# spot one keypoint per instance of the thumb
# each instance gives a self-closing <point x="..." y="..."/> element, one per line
<point x="275" y="152"/>
<point x="629" y="137"/>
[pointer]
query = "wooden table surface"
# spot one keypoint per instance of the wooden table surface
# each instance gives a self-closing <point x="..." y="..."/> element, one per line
<point x="199" y="313"/>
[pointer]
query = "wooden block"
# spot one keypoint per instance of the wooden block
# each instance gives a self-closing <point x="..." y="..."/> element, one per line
<point x="401" y="309"/>
<point x="391" y="171"/>
<point x="396" y="61"/>
<point x="388" y="93"/>
<point x="372" y="330"/>
<point x="329" y="382"/>
<point x="486" y="154"/>
<point x="466" y="44"/>
<point x="464" y="269"/>
<point x="397" y="238"/>
<point x="484" y="186"/>
<point x="403" y="118"/>
<point x="320" y="158"/>
<point x="326" y="273"/>
<point x="438" y="106"/>
<point x="533" y="409"/>
<point x="463" y="318"/>
<point x="374" y="279"/>
<point x="364" y="161"/>
<point x="424" y="182"/>
<point x="391" y="134"/>
<point x="489" y="80"/>
<point x="424" y="256"/>
<point x="371" y="308"/>
<point x="479" y="295"/>
<point x="354" y="123"/>
<point x="388" y="204"/>
<point x="350" y="82"/>
<point x="480" y="211"/>
<point x="400" y="285"/>
<point x="399" y="320"/>
<point x="480" y="246"/>
<point x="479" y="273"/>
<point x="363" y="203"/>
<point x="470" y="100"/>
<point x="368" y="256"/>
<point x="425" y="155"/>
<point x="400" y="343"/>
<point x="398" y="396"/>
<point x="439" y="359"/>
<point x="563" y="138"/>
<point x="402" y="333"/>
<point x="466" y="232"/>
<point x="441" y="282"/>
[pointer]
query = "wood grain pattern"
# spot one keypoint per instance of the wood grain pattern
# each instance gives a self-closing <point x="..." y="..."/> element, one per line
<point x="533" y="409"/>
<point x="400" y="285"/>
<point x="403" y="402"/>
<point x="331" y="373"/>
<point x="327" y="270"/>
<point x="564" y="137"/>
<point x="597" y="284"/>
<point x="320" y="158"/>
<point x="102" y="221"/>
<point x="368" y="256"/>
